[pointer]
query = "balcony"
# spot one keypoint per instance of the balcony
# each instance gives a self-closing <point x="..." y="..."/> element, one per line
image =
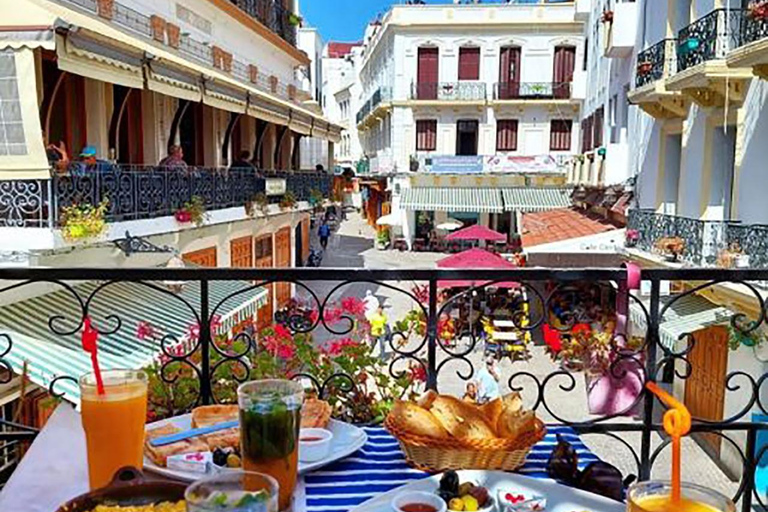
<point x="620" y="32"/>
<point x="705" y="243"/>
<point x="654" y="65"/>
<point x="379" y="102"/>
<point x="533" y="91"/>
<point x="463" y="91"/>
<point x="142" y="192"/>
<point x="702" y="72"/>
<point x="752" y="51"/>
<point x="424" y="355"/>
<point x="273" y="15"/>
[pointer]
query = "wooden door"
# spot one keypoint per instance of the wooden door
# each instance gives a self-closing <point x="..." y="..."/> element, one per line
<point x="469" y="63"/>
<point x="509" y="73"/>
<point x="305" y="240"/>
<point x="565" y="59"/>
<point x="241" y="252"/>
<point x="283" y="260"/>
<point x="427" y="74"/>
<point x="705" y="388"/>
<point x="263" y="259"/>
<point x="202" y="258"/>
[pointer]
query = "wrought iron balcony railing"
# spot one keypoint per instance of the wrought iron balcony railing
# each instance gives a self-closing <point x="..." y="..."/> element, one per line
<point x="141" y="192"/>
<point x="532" y="90"/>
<point x="754" y="23"/>
<point x="704" y="241"/>
<point x="381" y="95"/>
<point x="709" y="38"/>
<point x="656" y="62"/>
<point x="273" y="15"/>
<point x="209" y="364"/>
<point x="449" y="91"/>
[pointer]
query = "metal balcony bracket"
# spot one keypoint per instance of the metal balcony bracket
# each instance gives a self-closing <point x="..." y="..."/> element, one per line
<point x="137" y="245"/>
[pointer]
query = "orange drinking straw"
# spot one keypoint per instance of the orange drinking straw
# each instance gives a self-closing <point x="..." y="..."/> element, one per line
<point x="677" y="423"/>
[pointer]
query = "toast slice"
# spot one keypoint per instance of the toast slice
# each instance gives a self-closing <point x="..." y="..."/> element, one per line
<point x="315" y="413"/>
<point x="159" y="454"/>
<point x="210" y="415"/>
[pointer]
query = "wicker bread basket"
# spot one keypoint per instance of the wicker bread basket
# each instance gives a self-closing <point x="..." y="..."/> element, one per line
<point x="430" y="454"/>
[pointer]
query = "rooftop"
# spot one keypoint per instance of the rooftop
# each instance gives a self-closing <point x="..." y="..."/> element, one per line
<point x="555" y="225"/>
<point x="338" y="50"/>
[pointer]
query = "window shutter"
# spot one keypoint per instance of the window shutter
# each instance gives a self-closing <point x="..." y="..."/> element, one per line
<point x="560" y="135"/>
<point x="597" y="139"/>
<point x="426" y="135"/>
<point x="506" y="135"/>
<point x="565" y="60"/>
<point x="509" y="73"/>
<point x="469" y="63"/>
<point x="427" y="73"/>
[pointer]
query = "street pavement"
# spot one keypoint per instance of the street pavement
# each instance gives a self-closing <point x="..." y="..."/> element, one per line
<point x="352" y="246"/>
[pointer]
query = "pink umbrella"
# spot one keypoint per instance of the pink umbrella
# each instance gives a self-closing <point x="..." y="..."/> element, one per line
<point x="477" y="232"/>
<point x="474" y="259"/>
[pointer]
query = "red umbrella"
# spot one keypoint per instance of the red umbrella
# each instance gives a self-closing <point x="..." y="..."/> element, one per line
<point x="477" y="232"/>
<point x="474" y="259"/>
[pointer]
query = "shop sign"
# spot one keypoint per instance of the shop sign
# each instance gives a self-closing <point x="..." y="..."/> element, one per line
<point x="275" y="186"/>
<point x="456" y="165"/>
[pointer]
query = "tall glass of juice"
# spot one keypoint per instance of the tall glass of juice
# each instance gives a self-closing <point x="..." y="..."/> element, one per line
<point x="113" y="422"/>
<point x="656" y="496"/>
<point x="270" y="417"/>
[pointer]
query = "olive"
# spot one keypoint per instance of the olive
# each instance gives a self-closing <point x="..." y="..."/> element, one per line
<point x="219" y="457"/>
<point x="450" y="482"/>
<point x="447" y="496"/>
<point x="233" y="461"/>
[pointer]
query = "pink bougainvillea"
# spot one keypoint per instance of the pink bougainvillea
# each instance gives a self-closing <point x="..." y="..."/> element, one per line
<point x="145" y="331"/>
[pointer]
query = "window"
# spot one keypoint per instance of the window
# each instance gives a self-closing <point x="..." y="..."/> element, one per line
<point x="597" y="138"/>
<point x="426" y="135"/>
<point x="506" y="135"/>
<point x="469" y="63"/>
<point x="560" y="135"/>
<point x="586" y="54"/>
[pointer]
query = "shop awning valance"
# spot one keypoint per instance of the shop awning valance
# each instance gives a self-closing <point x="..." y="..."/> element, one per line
<point x="260" y="108"/>
<point x="468" y="200"/>
<point x="300" y="123"/>
<point x="89" y="55"/>
<point x="173" y="81"/>
<point x="687" y="315"/>
<point x="526" y="199"/>
<point x="22" y="153"/>
<point x="225" y="97"/>
<point x="49" y="355"/>
<point x="320" y="130"/>
<point x="26" y="37"/>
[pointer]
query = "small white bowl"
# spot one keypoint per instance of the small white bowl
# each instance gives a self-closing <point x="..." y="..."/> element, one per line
<point x="418" y="497"/>
<point x="316" y="449"/>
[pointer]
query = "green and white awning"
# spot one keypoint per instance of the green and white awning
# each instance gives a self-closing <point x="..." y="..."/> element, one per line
<point x="118" y="308"/>
<point x="526" y="199"/>
<point x="687" y="315"/>
<point x="468" y="200"/>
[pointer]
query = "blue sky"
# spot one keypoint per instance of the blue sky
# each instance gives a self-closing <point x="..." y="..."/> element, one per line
<point x="342" y="20"/>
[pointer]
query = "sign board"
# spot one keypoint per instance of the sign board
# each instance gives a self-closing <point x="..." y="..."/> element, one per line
<point x="457" y="164"/>
<point x="521" y="164"/>
<point x="275" y="186"/>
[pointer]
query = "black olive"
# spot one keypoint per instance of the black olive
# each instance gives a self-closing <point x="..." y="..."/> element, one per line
<point x="450" y="482"/>
<point x="447" y="496"/>
<point x="219" y="457"/>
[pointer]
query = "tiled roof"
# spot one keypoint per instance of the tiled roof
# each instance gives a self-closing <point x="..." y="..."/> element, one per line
<point x="453" y="199"/>
<point x="564" y="224"/>
<point x="337" y="50"/>
<point x="527" y="199"/>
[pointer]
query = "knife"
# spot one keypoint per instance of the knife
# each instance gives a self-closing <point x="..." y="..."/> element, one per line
<point x="194" y="432"/>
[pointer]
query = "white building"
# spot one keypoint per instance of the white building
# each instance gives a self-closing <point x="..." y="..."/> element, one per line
<point x="314" y="150"/>
<point x="494" y="87"/>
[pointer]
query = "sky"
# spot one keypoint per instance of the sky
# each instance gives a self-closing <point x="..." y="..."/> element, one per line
<point x="342" y="20"/>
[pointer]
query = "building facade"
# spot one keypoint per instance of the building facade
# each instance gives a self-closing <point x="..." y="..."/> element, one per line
<point x="481" y="89"/>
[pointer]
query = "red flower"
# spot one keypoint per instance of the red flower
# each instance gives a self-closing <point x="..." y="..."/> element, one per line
<point x="337" y="347"/>
<point x="145" y="330"/>
<point x="286" y="351"/>
<point x="418" y="373"/>
<point x="332" y="315"/>
<point x="353" y="305"/>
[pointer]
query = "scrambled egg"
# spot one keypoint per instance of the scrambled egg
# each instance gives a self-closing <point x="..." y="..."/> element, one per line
<point x="162" y="507"/>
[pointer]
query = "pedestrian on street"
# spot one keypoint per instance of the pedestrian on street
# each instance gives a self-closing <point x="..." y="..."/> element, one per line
<point x="371" y="303"/>
<point x="324" y="232"/>
<point x="379" y="329"/>
<point x="488" y="382"/>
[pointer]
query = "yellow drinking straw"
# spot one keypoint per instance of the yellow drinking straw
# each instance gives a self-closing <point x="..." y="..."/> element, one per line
<point x="677" y="423"/>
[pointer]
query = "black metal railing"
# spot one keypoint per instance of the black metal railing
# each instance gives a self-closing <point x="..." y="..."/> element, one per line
<point x="709" y="38"/>
<point x="532" y="90"/>
<point x="141" y="192"/>
<point x="754" y="25"/>
<point x="449" y="91"/>
<point x="704" y="240"/>
<point x="656" y="62"/>
<point x="273" y="15"/>
<point x="427" y="357"/>
<point x="381" y="95"/>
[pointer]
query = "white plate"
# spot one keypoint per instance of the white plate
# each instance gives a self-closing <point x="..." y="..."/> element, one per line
<point x="347" y="439"/>
<point x="560" y="498"/>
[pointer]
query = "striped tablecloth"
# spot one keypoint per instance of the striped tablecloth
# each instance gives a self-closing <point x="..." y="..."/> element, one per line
<point x="379" y="466"/>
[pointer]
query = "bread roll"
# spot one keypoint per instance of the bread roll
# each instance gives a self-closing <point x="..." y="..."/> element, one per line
<point x="416" y="420"/>
<point x="210" y="415"/>
<point x="460" y="419"/>
<point x="427" y="399"/>
<point x="513" y="424"/>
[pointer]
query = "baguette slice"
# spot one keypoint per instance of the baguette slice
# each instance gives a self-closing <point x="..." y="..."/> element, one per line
<point x="513" y="425"/>
<point x="462" y="420"/>
<point x="209" y="415"/>
<point x="417" y="420"/>
<point x="315" y="413"/>
<point x="159" y="454"/>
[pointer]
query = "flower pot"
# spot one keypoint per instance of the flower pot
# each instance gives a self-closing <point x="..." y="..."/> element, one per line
<point x="615" y="392"/>
<point x="630" y="243"/>
<point x="644" y="68"/>
<point x="741" y="261"/>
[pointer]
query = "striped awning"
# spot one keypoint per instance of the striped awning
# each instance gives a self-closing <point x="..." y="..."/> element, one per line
<point x="526" y="199"/>
<point x="687" y="315"/>
<point x="119" y="308"/>
<point x="466" y="200"/>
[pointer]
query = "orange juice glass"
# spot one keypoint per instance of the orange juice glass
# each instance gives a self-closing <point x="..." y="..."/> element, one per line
<point x="654" y="496"/>
<point x="113" y="422"/>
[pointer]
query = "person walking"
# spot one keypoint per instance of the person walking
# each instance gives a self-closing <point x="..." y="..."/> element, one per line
<point x="488" y="382"/>
<point x="379" y="329"/>
<point x="371" y="303"/>
<point x="324" y="232"/>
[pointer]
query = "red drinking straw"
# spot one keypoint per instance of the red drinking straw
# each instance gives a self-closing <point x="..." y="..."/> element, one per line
<point x="90" y="338"/>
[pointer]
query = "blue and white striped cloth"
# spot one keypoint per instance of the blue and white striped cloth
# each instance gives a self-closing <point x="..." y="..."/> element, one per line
<point x="379" y="466"/>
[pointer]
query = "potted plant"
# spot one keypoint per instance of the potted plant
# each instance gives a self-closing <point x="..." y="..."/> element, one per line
<point x="193" y="211"/>
<point x="82" y="221"/>
<point x="316" y="199"/>
<point x="744" y="337"/>
<point x="607" y="16"/>
<point x="295" y="20"/>
<point x="382" y="239"/>
<point x="288" y="201"/>
<point x="758" y="10"/>
<point x="414" y="164"/>
<point x="733" y="257"/>
<point x="671" y="246"/>
<point x="631" y="237"/>
<point x="643" y="68"/>
<point x="259" y="202"/>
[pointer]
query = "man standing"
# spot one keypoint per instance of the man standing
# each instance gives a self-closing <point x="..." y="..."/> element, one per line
<point x="243" y="161"/>
<point x="371" y="303"/>
<point x="175" y="159"/>
<point x="324" y="232"/>
<point x="379" y="329"/>
<point x="488" y="382"/>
